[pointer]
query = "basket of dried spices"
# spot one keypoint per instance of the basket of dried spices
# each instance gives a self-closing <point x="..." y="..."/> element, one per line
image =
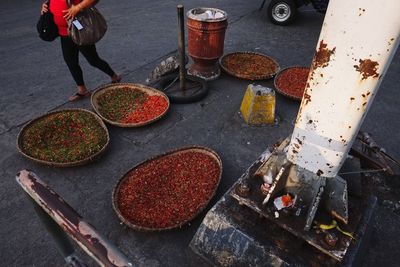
<point x="169" y="190"/>
<point x="249" y="65"/>
<point x="129" y="104"/>
<point x="291" y="82"/>
<point x="64" y="138"/>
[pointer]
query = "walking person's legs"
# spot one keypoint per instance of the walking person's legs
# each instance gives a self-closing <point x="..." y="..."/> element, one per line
<point x="91" y="55"/>
<point x="71" y="57"/>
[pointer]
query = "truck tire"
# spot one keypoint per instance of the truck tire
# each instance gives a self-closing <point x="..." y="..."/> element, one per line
<point x="282" y="12"/>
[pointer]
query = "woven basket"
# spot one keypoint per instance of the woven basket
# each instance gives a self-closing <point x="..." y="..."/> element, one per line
<point x="185" y="149"/>
<point x="249" y="77"/>
<point x="134" y="86"/>
<point x="63" y="164"/>
<point x="283" y="92"/>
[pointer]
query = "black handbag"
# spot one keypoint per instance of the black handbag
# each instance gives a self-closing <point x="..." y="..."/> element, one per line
<point x="92" y="26"/>
<point x="46" y="27"/>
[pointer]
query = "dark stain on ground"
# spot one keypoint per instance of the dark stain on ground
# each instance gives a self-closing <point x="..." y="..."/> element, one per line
<point x="319" y="172"/>
<point x="367" y="68"/>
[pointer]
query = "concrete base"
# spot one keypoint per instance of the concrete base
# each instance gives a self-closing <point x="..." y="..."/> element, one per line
<point x="234" y="235"/>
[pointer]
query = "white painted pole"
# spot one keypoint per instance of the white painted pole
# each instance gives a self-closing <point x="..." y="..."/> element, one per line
<point x="356" y="45"/>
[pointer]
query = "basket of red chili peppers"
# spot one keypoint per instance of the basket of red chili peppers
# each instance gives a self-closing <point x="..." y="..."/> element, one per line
<point x="249" y="65"/>
<point x="64" y="138"/>
<point x="129" y="104"/>
<point x="291" y="82"/>
<point x="168" y="190"/>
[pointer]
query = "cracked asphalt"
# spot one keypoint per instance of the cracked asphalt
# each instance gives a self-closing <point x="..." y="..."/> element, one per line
<point x="35" y="80"/>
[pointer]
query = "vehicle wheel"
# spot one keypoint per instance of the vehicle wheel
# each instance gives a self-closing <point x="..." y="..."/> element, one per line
<point x="282" y="12"/>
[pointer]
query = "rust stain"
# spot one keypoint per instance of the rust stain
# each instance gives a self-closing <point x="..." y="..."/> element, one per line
<point x="323" y="55"/>
<point x="367" y="68"/>
<point x="307" y="98"/>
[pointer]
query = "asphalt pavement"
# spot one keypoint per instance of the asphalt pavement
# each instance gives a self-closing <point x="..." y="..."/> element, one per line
<point x="35" y="80"/>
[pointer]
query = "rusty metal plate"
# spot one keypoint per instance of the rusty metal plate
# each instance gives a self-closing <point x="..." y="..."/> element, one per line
<point x="168" y="190"/>
<point x="249" y="65"/>
<point x="134" y="87"/>
<point x="294" y="219"/>
<point x="63" y="144"/>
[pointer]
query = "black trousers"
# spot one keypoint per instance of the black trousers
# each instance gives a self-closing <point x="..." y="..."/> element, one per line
<point x="71" y="51"/>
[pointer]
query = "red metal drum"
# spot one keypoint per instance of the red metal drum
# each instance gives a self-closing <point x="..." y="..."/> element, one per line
<point x="206" y="34"/>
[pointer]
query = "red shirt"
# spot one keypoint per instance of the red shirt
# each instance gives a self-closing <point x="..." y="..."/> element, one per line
<point x="57" y="7"/>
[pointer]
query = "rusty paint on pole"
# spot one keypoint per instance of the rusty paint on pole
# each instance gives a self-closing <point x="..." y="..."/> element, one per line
<point x="357" y="43"/>
<point x="94" y="244"/>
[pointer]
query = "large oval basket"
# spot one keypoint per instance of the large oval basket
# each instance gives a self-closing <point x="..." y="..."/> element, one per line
<point x="249" y="65"/>
<point x="43" y="130"/>
<point x="102" y="92"/>
<point x="168" y="190"/>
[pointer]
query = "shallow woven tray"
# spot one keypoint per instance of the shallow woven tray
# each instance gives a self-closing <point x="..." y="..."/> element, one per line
<point x="63" y="164"/>
<point x="134" y="86"/>
<point x="283" y="92"/>
<point x="249" y="77"/>
<point x="201" y="149"/>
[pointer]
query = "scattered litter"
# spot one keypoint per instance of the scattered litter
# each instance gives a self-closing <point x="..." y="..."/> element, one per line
<point x="345" y="233"/>
<point x="334" y="225"/>
<point x="276" y="215"/>
<point x="298" y="212"/>
<point x="265" y="188"/>
<point x="164" y="67"/>
<point x="267" y="178"/>
<point x="328" y="226"/>
<point x="331" y="239"/>
<point x="248" y="143"/>
<point x="284" y="201"/>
